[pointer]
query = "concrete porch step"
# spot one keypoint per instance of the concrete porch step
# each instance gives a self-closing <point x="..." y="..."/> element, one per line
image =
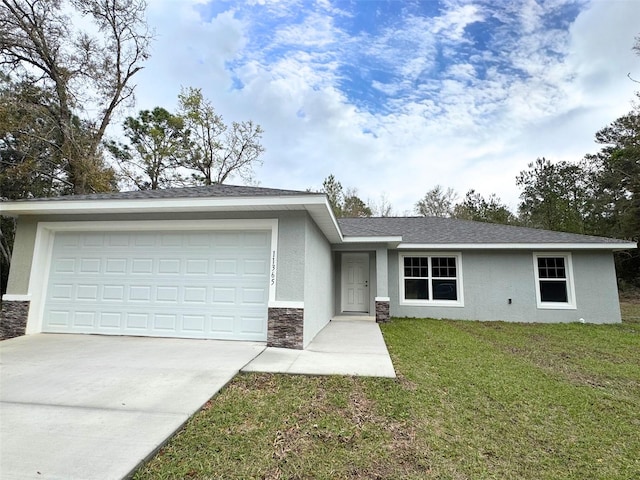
<point x="352" y="318"/>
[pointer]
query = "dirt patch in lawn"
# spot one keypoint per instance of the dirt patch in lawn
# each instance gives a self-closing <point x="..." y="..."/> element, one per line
<point x="353" y="421"/>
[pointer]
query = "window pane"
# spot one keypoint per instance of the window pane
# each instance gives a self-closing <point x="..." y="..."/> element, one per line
<point x="553" y="291"/>
<point x="445" y="290"/>
<point x="443" y="267"/>
<point x="551" y="267"/>
<point x="416" y="290"/>
<point x="416" y="267"/>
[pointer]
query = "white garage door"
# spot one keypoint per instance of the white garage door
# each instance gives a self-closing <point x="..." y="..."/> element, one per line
<point x="168" y="284"/>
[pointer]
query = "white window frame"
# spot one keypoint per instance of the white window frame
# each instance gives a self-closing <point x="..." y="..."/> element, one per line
<point x="431" y="302"/>
<point x="570" y="304"/>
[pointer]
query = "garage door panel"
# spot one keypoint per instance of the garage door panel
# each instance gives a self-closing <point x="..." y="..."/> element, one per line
<point x="255" y="267"/>
<point x="227" y="266"/>
<point x="222" y="240"/>
<point x="63" y="292"/>
<point x="92" y="240"/>
<point x="187" y="284"/>
<point x="194" y="323"/>
<point x="139" y="293"/>
<point x="89" y="266"/>
<point x="251" y="324"/>
<point x="113" y="293"/>
<point x="87" y="292"/>
<point x="116" y="266"/>
<point x="167" y="294"/>
<point x="84" y="319"/>
<point x="171" y="240"/>
<point x="144" y="240"/>
<point x="253" y="296"/>
<point x="119" y="240"/>
<point x="138" y="322"/>
<point x="199" y="240"/>
<point x="195" y="295"/>
<point x="197" y="267"/>
<point x="165" y="322"/>
<point x="111" y="321"/>
<point x="64" y="265"/>
<point x="142" y="266"/>
<point x="58" y="318"/>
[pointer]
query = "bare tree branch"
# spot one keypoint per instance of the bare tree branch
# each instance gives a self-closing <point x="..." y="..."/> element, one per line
<point x="39" y="44"/>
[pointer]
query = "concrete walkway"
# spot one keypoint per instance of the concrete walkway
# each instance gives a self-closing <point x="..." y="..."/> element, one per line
<point x="344" y="347"/>
<point x="94" y="407"/>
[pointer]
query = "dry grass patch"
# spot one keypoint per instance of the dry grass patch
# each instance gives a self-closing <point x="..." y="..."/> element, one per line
<point x="278" y="426"/>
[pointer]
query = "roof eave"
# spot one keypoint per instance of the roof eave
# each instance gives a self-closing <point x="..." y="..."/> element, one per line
<point x="140" y="205"/>
<point x="316" y="205"/>
<point x="612" y="246"/>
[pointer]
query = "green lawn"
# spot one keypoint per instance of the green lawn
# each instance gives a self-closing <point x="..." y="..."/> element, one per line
<point x="473" y="400"/>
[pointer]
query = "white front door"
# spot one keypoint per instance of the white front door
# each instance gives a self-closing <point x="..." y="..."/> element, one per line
<point x="355" y="282"/>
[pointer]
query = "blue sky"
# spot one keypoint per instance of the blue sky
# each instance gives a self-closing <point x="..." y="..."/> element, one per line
<point x="395" y="97"/>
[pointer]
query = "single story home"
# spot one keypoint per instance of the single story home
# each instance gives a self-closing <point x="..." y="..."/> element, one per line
<point x="260" y="264"/>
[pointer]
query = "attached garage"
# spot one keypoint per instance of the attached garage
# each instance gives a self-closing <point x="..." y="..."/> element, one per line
<point x="216" y="262"/>
<point x="169" y="284"/>
<point x="208" y="279"/>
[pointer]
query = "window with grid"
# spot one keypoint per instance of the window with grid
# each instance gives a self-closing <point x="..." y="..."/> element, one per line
<point x="552" y="279"/>
<point x="427" y="278"/>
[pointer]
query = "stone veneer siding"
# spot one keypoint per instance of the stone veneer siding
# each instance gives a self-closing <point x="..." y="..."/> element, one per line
<point x="285" y="327"/>
<point x="13" y="318"/>
<point x="382" y="312"/>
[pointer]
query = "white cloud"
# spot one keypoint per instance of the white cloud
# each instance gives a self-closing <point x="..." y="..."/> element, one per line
<point x="474" y="125"/>
<point x="187" y="52"/>
<point x="453" y="23"/>
<point x="315" y="31"/>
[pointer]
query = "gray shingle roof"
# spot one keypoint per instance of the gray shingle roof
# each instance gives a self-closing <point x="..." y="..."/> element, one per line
<point x="435" y="230"/>
<point x="217" y="190"/>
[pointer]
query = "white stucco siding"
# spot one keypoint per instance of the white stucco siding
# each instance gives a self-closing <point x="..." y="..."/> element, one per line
<point x="491" y="278"/>
<point x="596" y="287"/>
<point x="318" y="282"/>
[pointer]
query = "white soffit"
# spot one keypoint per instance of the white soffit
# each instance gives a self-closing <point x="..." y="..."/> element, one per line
<point x="390" y="241"/>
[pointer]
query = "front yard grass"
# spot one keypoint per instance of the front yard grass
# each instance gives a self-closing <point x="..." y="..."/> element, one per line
<point x="472" y="400"/>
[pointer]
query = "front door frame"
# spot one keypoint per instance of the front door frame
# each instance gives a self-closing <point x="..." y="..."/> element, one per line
<point x="343" y="282"/>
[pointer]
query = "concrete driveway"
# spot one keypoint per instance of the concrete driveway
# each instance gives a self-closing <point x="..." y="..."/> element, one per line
<point x="89" y="406"/>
